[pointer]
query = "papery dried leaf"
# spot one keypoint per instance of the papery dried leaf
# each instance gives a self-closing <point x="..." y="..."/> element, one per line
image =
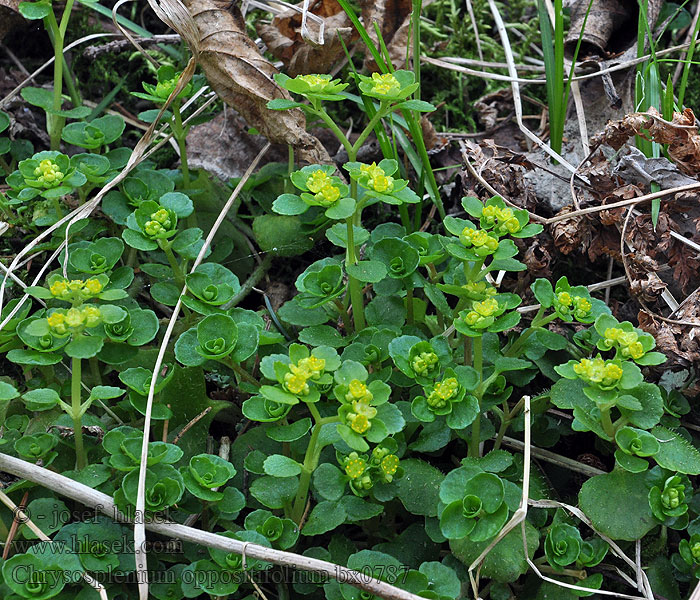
<point x="392" y="17"/>
<point x="242" y="77"/>
<point x="616" y="215"/>
<point x="685" y="263"/>
<point x="666" y="336"/>
<point x="648" y="289"/>
<point x="569" y="234"/>
<point x="284" y="40"/>
<point x="681" y="135"/>
<point x="605" y="243"/>
<point x="538" y="259"/>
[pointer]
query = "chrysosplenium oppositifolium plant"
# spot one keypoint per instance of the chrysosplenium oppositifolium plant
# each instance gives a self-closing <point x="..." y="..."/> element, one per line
<point x="372" y="415"/>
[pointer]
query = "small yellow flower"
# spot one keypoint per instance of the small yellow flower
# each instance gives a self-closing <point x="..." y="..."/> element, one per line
<point x="486" y="308"/>
<point x="311" y="366"/>
<point x="490" y="212"/>
<point x="512" y="225"/>
<point x="564" y="298"/>
<point x="92" y="316"/>
<point x="328" y="195"/>
<point x="76" y="285"/>
<point x="357" y="389"/>
<point x="93" y="286"/>
<point x="296" y="384"/>
<point x="74" y="318"/>
<point x="358" y="423"/>
<point x="390" y="464"/>
<point x="447" y="388"/>
<point x="317" y="181"/>
<point x="58" y="288"/>
<point x="635" y="350"/>
<point x="598" y="371"/>
<point x="361" y="407"/>
<point x="471" y="318"/>
<point x="315" y="82"/>
<point x="355" y="466"/>
<point x="385" y="84"/>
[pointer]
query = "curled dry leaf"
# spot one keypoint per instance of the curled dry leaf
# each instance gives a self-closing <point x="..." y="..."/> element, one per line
<point x="242" y="77"/>
<point x="680" y="134"/>
<point x="678" y="342"/>
<point x="570" y="234"/>
<point x="284" y="39"/>
<point x="489" y="106"/>
<point x="648" y="289"/>
<point x="538" y="258"/>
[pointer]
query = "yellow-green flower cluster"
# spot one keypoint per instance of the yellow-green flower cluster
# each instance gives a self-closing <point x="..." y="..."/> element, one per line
<point x="316" y="83"/>
<point x="296" y="381"/>
<point x="160" y="221"/>
<point x="359" y="420"/>
<point x="64" y="322"/>
<point x="76" y="290"/>
<point x="671" y="498"/>
<point x="481" y="310"/>
<point x="442" y="393"/>
<point x="603" y="373"/>
<point x="483" y="243"/>
<point x="357" y="470"/>
<point x="424" y="362"/>
<point x="627" y="341"/>
<point x="502" y="220"/>
<point x="565" y="303"/>
<point x="479" y="289"/>
<point x="378" y="180"/>
<point x="49" y="174"/>
<point x="385" y="85"/>
<point x="387" y="462"/>
<point x="321" y="185"/>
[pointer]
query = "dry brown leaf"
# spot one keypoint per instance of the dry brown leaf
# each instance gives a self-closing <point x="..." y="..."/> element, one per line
<point x="489" y="106"/>
<point x="680" y="134"/>
<point x="685" y="263"/>
<point x="393" y="19"/>
<point x="538" y="259"/>
<point x="284" y="40"/>
<point x="671" y="339"/>
<point x="570" y="234"/>
<point x="242" y="77"/>
<point x="648" y="289"/>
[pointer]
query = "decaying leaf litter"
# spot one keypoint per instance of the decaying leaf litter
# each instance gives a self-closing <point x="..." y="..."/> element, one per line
<point x="658" y="265"/>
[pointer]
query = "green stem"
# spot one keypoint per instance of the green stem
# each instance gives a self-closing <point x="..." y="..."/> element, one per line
<point x="537" y="323"/>
<point x="165" y="246"/>
<point x="415" y="24"/>
<point x="313" y="451"/>
<point x="606" y="422"/>
<point x="477" y="349"/>
<point x="336" y="130"/>
<point x="80" y="460"/>
<point x="467" y="351"/>
<point x="180" y="136"/>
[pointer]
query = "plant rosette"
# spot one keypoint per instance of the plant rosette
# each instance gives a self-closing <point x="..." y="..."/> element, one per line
<point x="319" y="188"/>
<point x="211" y="285"/>
<point x="633" y="446"/>
<point x="360" y="406"/>
<point x="205" y="474"/>
<point x="418" y="359"/>
<point x="94" y="258"/>
<point x="669" y="497"/>
<point x="124" y="443"/>
<point x="450" y="398"/>
<point x="377" y="182"/>
<point x="474" y="504"/>
<point x="610" y="376"/>
<point x="689" y="550"/>
<point x="281" y="533"/>
<point x="322" y="282"/>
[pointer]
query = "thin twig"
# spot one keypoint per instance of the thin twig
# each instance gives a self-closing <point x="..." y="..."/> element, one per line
<point x="97" y="500"/>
